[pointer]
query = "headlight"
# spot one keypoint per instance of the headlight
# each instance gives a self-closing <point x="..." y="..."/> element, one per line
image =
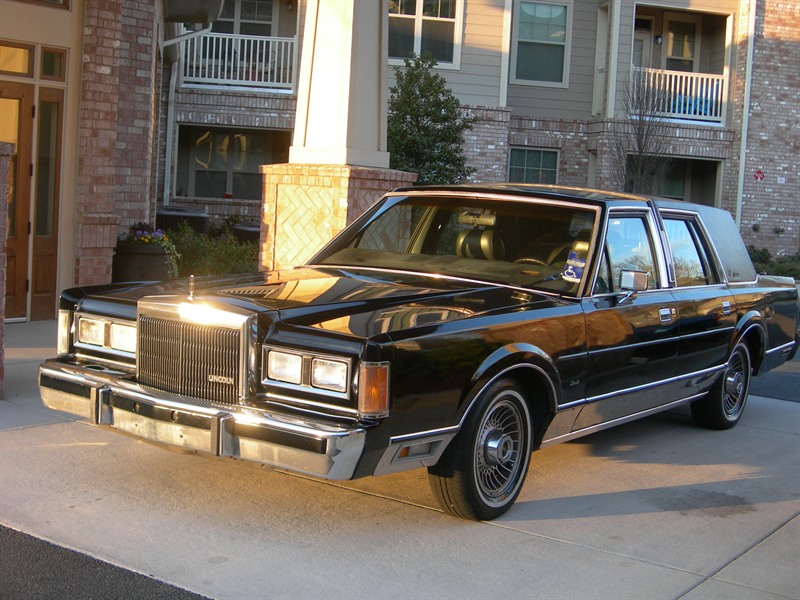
<point x="91" y="331"/>
<point x="282" y="366"/>
<point x="329" y="374"/>
<point x="105" y="333"/>
<point x="122" y="337"/>
<point x="307" y="369"/>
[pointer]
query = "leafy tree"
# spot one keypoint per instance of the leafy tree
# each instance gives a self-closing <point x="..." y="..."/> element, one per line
<point x="425" y="125"/>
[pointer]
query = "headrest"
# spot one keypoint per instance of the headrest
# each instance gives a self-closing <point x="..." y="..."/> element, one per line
<point x="476" y="243"/>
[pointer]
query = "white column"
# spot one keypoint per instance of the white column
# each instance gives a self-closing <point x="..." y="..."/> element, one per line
<point x="342" y="89"/>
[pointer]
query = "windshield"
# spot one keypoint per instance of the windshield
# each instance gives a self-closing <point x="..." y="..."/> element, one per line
<point x="537" y="244"/>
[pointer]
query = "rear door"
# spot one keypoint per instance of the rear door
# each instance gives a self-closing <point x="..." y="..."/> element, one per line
<point x="706" y="308"/>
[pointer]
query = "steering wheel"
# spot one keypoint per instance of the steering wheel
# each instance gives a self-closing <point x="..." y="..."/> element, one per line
<point x="530" y="260"/>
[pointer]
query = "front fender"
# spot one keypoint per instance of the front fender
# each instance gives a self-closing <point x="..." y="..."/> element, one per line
<point x="524" y="360"/>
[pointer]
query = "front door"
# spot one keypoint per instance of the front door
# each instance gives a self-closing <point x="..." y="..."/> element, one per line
<point x="32" y="209"/>
<point x="16" y="126"/>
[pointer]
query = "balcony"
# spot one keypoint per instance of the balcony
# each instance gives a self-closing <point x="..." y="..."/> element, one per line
<point x="679" y="95"/>
<point x="266" y="63"/>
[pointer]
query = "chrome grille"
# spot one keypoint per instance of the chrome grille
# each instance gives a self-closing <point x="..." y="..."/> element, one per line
<point x="192" y="360"/>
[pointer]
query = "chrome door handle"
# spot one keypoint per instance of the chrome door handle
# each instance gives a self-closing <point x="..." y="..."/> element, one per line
<point x="667" y="314"/>
<point x="726" y="307"/>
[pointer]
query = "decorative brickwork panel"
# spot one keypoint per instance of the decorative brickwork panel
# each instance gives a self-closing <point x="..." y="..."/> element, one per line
<point x="305" y="222"/>
<point x="306" y="205"/>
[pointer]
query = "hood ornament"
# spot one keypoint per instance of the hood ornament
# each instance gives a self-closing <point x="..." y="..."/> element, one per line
<point x="191" y="287"/>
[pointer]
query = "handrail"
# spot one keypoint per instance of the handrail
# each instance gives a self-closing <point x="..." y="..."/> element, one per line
<point x="239" y="60"/>
<point x="680" y="95"/>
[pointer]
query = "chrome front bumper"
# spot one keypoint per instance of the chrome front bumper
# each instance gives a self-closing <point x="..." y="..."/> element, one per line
<point x="325" y="450"/>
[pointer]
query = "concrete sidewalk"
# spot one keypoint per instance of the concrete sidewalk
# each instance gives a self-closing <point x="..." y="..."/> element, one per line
<point x="656" y="509"/>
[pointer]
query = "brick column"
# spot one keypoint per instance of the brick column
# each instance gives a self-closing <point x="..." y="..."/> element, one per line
<point x="6" y="150"/>
<point x="97" y="181"/>
<point x="306" y="205"/>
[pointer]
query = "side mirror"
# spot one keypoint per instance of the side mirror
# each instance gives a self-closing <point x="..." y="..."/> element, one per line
<point x="631" y="282"/>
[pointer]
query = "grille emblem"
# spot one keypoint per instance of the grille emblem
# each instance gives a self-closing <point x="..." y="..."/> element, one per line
<point x="220" y="379"/>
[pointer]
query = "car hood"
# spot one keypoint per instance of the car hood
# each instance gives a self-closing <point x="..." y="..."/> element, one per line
<point x="353" y="302"/>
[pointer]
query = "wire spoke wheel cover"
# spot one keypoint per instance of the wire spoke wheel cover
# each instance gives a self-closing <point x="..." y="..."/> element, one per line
<point x="498" y="451"/>
<point x="481" y="473"/>
<point x="724" y="404"/>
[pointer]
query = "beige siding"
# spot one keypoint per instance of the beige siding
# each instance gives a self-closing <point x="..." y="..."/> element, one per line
<point x="477" y="81"/>
<point x="574" y="101"/>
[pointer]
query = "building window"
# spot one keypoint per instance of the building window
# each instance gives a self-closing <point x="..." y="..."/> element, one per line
<point x="529" y="165"/>
<point x="224" y="163"/>
<point x="246" y="17"/>
<point x="53" y="3"/>
<point x="16" y="59"/>
<point x="541" y="43"/>
<point x="420" y="26"/>
<point x="682" y="37"/>
<point x="54" y="64"/>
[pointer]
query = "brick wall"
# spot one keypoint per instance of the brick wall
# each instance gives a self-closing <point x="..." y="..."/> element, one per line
<point x="138" y="54"/>
<point x="771" y="194"/>
<point x="97" y="138"/>
<point x="5" y="157"/>
<point x="486" y="144"/>
<point x="116" y="123"/>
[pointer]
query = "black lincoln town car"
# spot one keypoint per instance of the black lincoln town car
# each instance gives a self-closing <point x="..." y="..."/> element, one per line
<point x="457" y="328"/>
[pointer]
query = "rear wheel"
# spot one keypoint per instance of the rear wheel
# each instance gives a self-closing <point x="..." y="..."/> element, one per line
<point x="723" y="406"/>
<point x="481" y="472"/>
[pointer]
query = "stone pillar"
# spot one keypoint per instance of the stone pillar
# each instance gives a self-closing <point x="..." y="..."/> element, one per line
<point x="338" y="164"/>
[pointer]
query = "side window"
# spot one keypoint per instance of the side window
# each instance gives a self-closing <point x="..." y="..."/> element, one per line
<point x="689" y="256"/>
<point x="629" y="248"/>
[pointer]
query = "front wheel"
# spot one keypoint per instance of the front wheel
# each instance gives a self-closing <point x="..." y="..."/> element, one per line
<point x="724" y="404"/>
<point x="481" y="472"/>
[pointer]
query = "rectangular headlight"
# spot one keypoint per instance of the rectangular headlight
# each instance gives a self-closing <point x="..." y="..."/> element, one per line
<point x="91" y="331"/>
<point x="122" y="337"/>
<point x="329" y="374"/>
<point x="283" y="366"/>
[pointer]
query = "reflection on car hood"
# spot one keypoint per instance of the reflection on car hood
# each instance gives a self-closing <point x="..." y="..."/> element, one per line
<point x="366" y="304"/>
<point x="353" y="302"/>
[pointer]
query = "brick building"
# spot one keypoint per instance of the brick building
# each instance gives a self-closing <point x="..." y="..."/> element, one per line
<point x="135" y="113"/>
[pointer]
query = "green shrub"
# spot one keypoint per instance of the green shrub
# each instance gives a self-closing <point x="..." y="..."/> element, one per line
<point x="213" y="254"/>
<point x="764" y="262"/>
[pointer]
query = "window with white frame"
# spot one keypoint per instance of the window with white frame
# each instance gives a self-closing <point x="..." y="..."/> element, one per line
<point x="246" y="17"/>
<point x="420" y="26"/>
<point x="541" y="42"/>
<point x="532" y="165"/>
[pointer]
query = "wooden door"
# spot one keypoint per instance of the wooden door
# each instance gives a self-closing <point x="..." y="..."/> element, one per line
<point x="47" y="177"/>
<point x="16" y="125"/>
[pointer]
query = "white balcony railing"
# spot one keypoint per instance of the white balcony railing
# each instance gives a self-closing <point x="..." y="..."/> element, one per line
<point x="679" y="95"/>
<point x="239" y="60"/>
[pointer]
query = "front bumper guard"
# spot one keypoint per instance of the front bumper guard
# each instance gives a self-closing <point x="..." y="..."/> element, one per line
<point x="313" y="447"/>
